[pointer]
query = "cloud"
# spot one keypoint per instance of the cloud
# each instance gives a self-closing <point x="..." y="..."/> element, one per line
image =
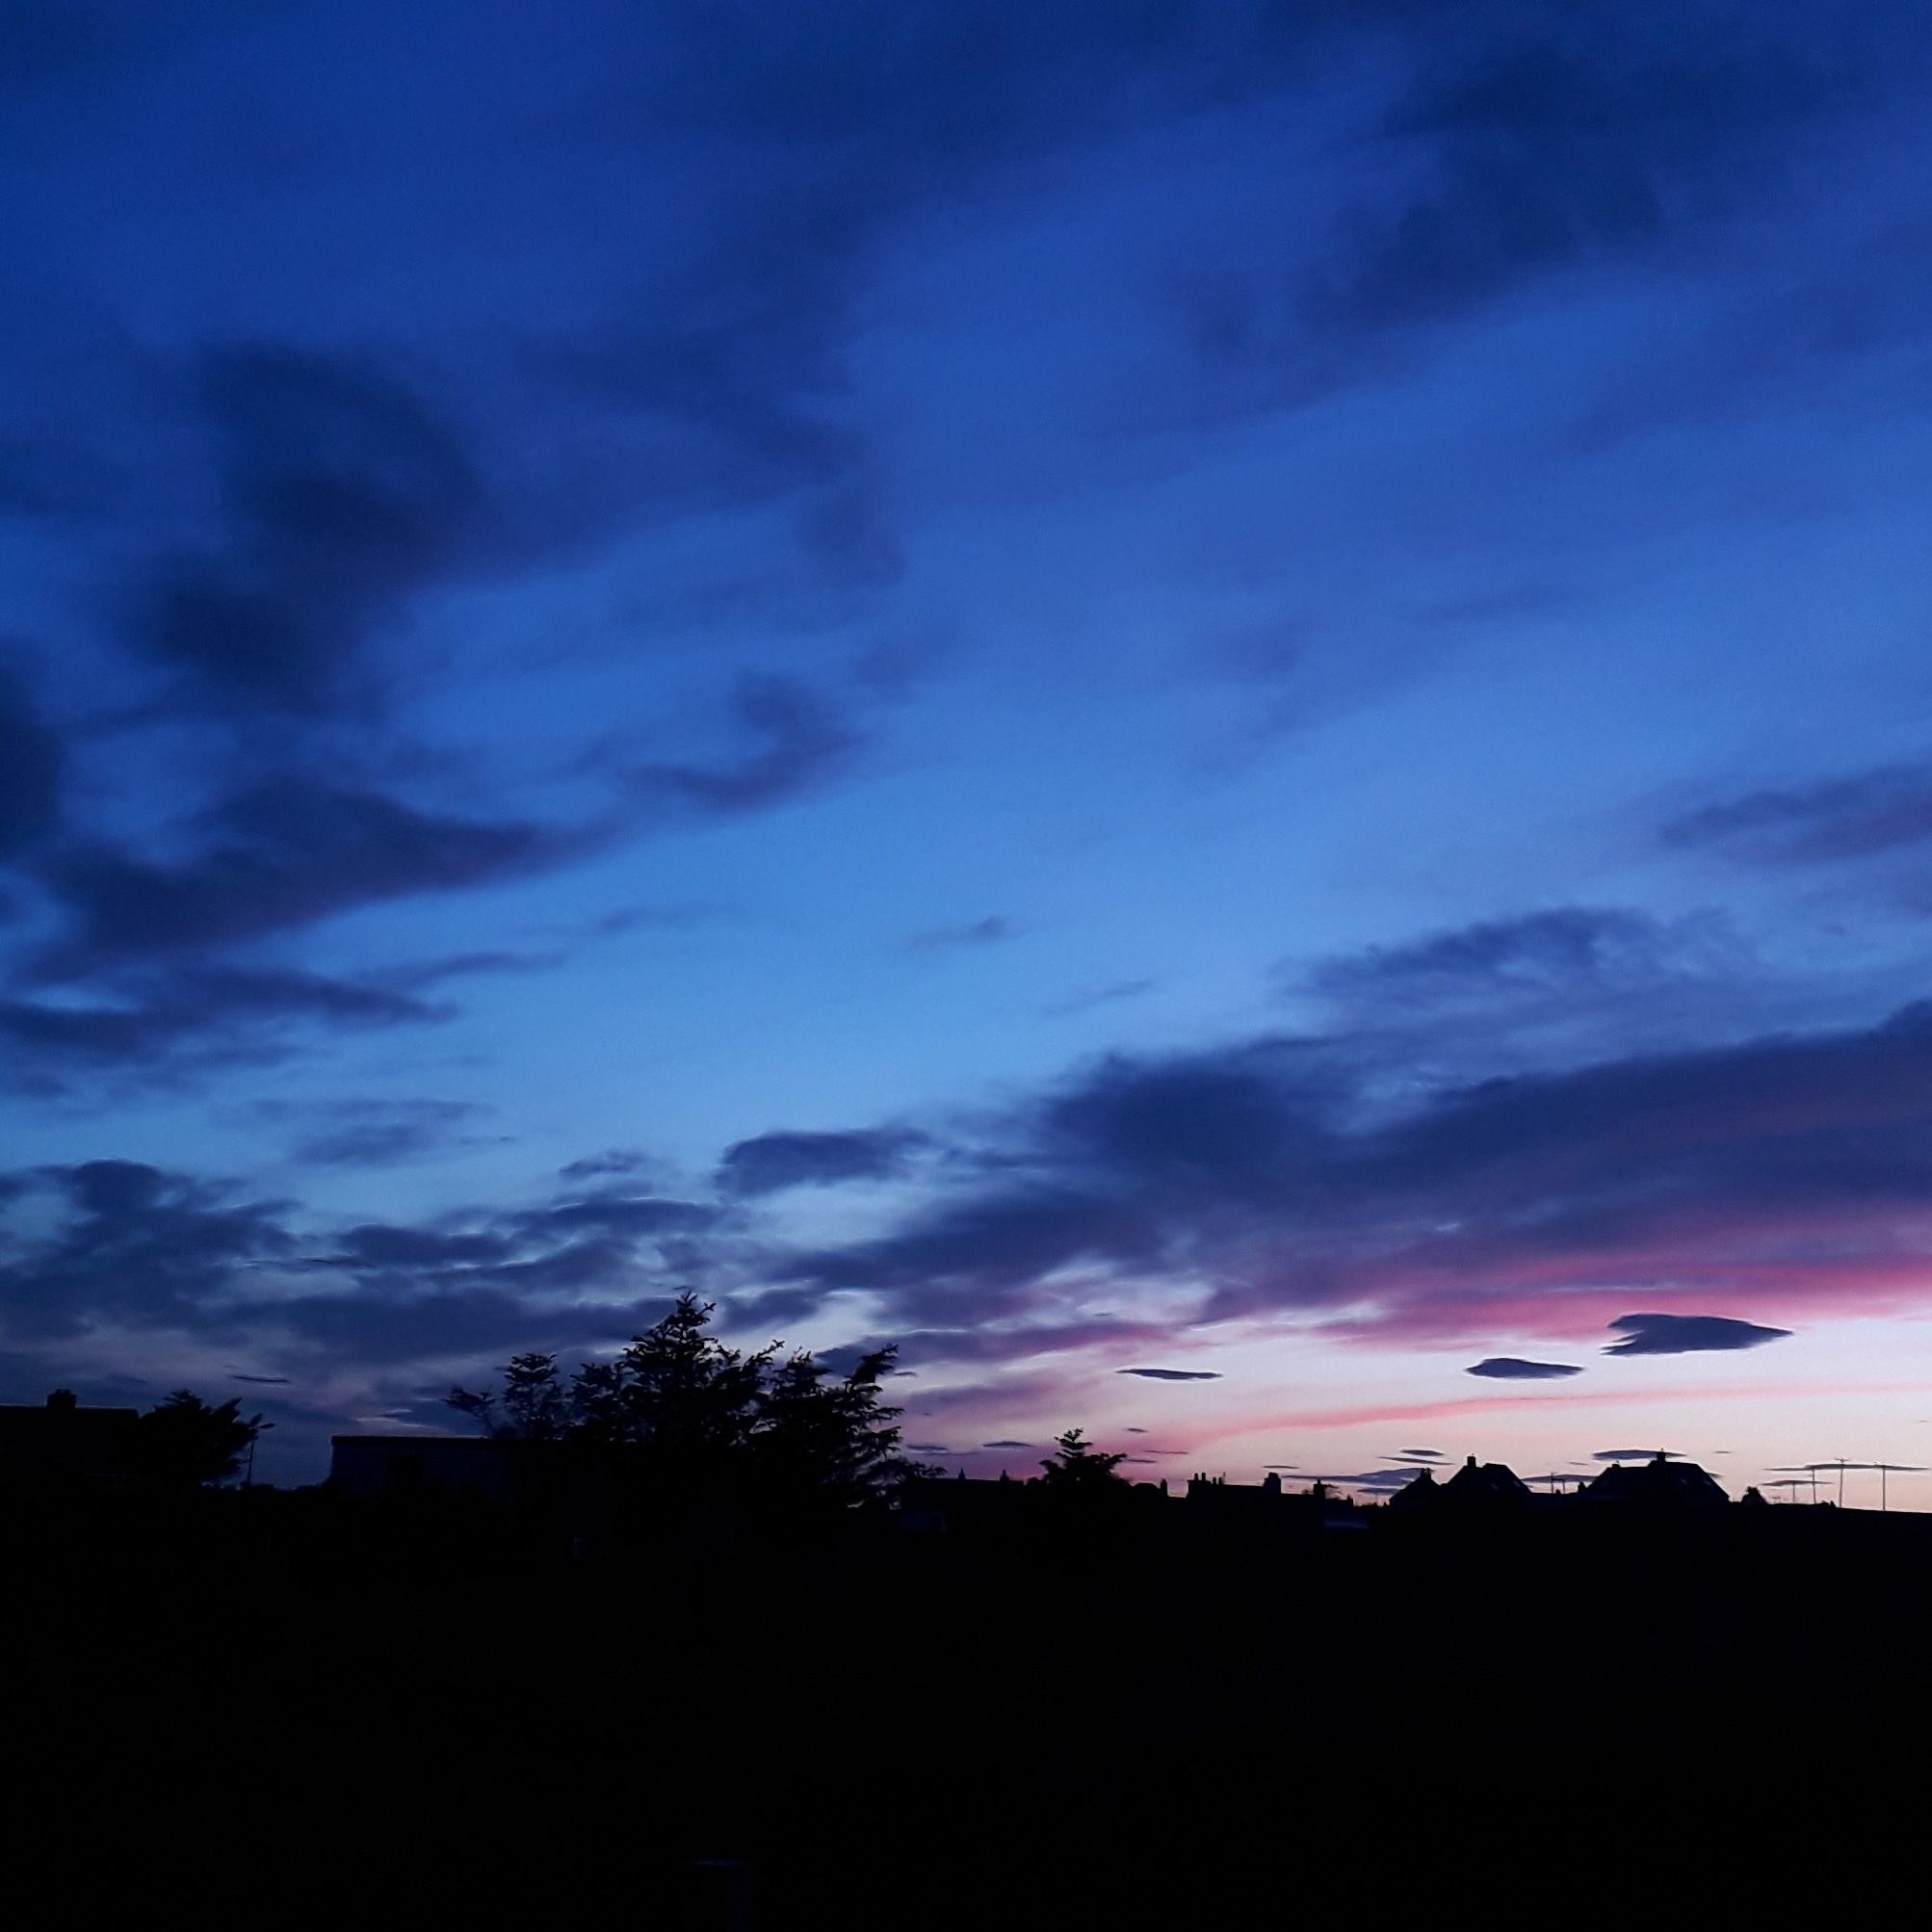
<point x="1381" y="1481"/>
<point x="1514" y="1369"/>
<point x="278" y="856"/>
<point x="131" y="1244"/>
<point x="612" y="1161"/>
<point x="1571" y="145"/>
<point x="1687" y="1334"/>
<point x="1625" y="1454"/>
<point x="768" y="1163"/>
<point x="1560" y="952"/>
<point x="374" y="1132"/>
<point x="1174" y="1374"/>
<point x="344" y="492"/>
<point x="1863" y="816"/>
<point x="1420" y="1453"/>
<point x="1284" y="1176"/>
<point x="32" y="764"/>
<point x="800" y="739"/>
<point x="110" y="1249"/>
<point x="994" y="929"/>
<point x="1006" y="1445"/>
<point x="156" y="1021"/>
<point x="1099" y="996"/>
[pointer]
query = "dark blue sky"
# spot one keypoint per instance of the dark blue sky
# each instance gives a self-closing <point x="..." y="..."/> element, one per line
<point x="1240" y="688"/>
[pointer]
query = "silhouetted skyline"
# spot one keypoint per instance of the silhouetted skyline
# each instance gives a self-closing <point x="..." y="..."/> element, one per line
<point x="1216" y="713"/>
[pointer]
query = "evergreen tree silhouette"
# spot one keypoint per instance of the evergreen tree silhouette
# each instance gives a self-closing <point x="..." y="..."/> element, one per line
<point x="1078" y="1471"/>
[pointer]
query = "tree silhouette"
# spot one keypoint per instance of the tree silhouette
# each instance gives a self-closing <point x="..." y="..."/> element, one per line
<point x="833" y="1441"/>
<point x="184" y="1442"/>
<point x="1077" y="1470"/>
<point x="682" y="1413"/>
<point x="532" y="1406"/>
<point x="681" y="1393"/>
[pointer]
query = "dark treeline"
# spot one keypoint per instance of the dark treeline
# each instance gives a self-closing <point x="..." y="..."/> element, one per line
<point x="1092" y="1708"/>
<point x="408" y="1707"/>
<point x="682" y="1414"/>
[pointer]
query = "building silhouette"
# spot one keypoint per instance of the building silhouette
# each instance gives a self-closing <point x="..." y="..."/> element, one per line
<point x="1663" y="1481"/>
<point x="409" y="1465"/>
<point x="59" y="1442"/>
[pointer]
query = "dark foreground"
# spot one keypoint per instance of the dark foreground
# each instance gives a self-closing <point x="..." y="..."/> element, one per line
<point x="276" y="1710"/>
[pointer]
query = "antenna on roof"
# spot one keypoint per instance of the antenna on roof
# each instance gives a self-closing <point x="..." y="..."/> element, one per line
<point x="1903" y="1467"/>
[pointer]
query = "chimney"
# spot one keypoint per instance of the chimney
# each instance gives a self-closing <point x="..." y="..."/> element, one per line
<point x="62" y="1403"/>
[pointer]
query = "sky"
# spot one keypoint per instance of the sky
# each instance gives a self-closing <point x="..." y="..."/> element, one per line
<point x="1237" y="689"/>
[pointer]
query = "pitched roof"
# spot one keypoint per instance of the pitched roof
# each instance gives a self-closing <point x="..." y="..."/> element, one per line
<point x="1663" y="1479"/>
<point x="1488" y="1482"/>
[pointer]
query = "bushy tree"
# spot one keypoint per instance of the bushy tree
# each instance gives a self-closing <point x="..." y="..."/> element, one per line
<point x="836" y="1440"/>
<point x="691" y="1415"/>
<point x="1078" y="1471"/>
<point x="532" y="1406"/>
<point x="680" y="1392"/>
<point x="185" y="1441"/>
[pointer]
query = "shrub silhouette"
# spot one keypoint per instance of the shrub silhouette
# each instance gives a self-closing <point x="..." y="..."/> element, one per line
<point x="184" y="1442"/>
<point x="682" y="1413"/>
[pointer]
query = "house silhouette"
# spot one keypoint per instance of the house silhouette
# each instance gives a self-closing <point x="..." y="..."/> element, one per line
<point x="1487" y="1485"/>
<point x="58" y="1441"/>
<point x="1662" y="1482"/>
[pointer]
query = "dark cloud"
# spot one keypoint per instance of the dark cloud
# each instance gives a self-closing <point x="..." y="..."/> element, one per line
<point x="154" y="1023"/>
<point x="1006" y="1444"/>
<point x="612" y="1161"/>
<point x="344" y="492"/>
<point x="1380" y="1480"/>
<point x="375" y="1132"/>
<point x="32" y="763"/>
<point x="1627" y="1454"/>
<point x="267" y="1381"/>
<point x="48" y="44"/>
<point x="42" y="479"/>
<point x="1557" y="951"/>
<point x="131" y="1244"/>
<point x="800" y="739"/>
<point x="1100" y="996"/>
<point x="1559" y="144"/>
<point x="770" y="1162"/>
<point x="282" y="856"/>
<point x="1514" y="1369"/>
<point x="655" y="919"/>
<point x="992" y="930"/>
<point x="1687" y="1334"/>
<point x="1174" y="1374"/>
<point x="112" y="1245"/>
<point x="1283" y="1173"/>
<point x="1419" y="1451"/>
<point x="1867" y="814"/>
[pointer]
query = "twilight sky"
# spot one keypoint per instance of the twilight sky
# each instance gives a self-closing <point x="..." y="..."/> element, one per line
<point x="1233" y="689"/>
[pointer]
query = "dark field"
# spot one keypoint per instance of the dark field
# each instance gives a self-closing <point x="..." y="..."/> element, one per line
<point x="284" y="1707"/>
